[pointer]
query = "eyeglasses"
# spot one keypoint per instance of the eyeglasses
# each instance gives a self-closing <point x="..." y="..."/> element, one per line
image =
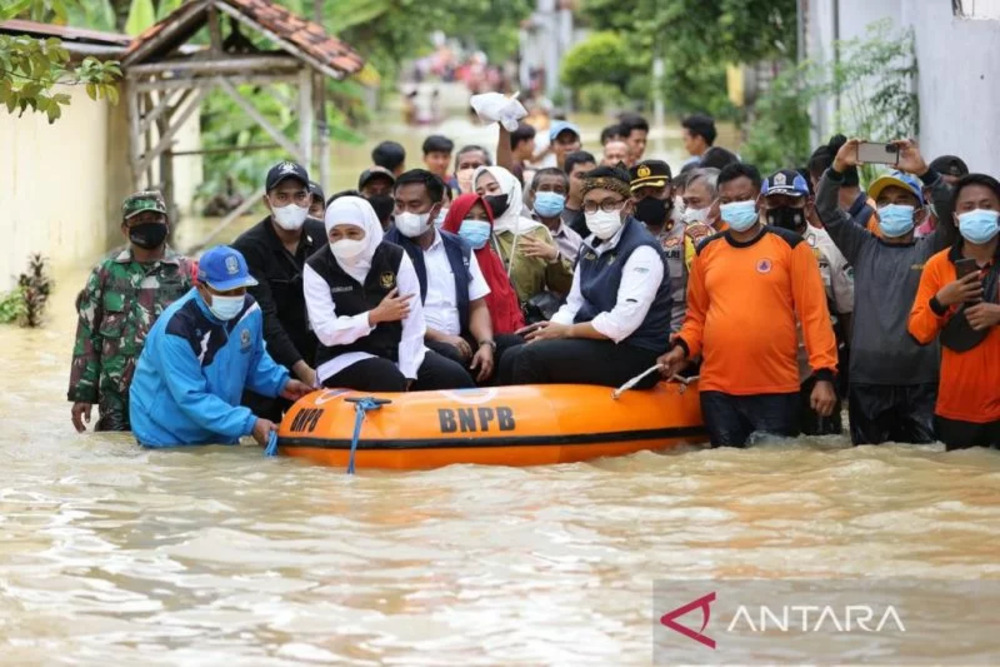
<point x="608" y="206"/>
<point x="284" y="198"/>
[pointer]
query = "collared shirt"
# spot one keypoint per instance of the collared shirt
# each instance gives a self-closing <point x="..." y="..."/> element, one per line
<point x="344" y="330"/>
<point x="441" y="304"/>
<point x="838" y="280"/>
<point x="566" y="239"/>
<point x="279" y="292"/>
<point x="641" y="278"/>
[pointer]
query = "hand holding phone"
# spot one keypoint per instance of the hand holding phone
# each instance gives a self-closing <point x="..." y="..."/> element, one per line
<point x="870" y="152"/>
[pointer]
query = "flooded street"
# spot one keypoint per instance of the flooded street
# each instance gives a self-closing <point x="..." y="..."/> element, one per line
<point x="113" y="555"/>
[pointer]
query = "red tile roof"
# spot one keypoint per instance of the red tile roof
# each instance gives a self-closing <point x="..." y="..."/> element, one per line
<point x="307" y="40"/>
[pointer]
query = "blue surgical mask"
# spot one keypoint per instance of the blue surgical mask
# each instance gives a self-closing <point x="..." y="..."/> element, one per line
<point x="549" y="204"/>
<point x="439" y="220"/>
<point x="979" y="226"/>
<point x="226" y="307"/>
<point x="739" y="215"/>
<point x="475" y="232"/>
<point x="895" y="220"/>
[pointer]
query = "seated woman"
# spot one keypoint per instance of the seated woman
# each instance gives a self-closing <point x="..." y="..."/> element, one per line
<point x="530" y="256"/>
<point x="616" y="321"/>
<point x="359" y="294"/>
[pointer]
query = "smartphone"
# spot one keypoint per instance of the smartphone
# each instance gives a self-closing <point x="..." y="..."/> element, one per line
<point x="873" y="153"/>
<point x="964" y="267"/>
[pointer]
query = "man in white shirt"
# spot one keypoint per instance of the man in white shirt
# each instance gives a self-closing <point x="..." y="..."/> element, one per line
<point x="452" y="286"/>
<point x="616" y="320"/>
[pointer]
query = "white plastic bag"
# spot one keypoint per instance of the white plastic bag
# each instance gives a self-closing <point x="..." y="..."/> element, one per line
<point x="495" y="107"/>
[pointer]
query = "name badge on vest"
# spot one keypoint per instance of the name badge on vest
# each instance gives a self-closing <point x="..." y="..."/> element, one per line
<point x="387" y="280"/>
<point x="337" y="289"/>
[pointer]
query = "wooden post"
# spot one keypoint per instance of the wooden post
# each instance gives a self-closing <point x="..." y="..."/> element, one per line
<point x="214" y="29"/>
<point x="306" y="117"/>
<point x="146" y="164"/>
<point x="134" y="135"/>
<point x="324" y="132"/>
<point x="167" y="164"/>
<point x="254" y="113"/>
<point x="175" y="125"/>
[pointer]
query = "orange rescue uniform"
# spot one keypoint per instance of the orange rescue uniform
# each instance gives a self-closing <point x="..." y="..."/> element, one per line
<point x="743" y="299"/>
<point x="968" y="389"/>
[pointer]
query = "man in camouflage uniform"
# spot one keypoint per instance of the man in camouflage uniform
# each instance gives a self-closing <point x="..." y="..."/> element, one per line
<point x="123" y="297"/>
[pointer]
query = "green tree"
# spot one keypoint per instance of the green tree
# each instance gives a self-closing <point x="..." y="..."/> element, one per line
<point x="696" y="39"/>
<point x="30" y="68"/>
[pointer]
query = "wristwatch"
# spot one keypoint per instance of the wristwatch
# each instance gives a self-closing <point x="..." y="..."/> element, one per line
<point x="491" y="343"/>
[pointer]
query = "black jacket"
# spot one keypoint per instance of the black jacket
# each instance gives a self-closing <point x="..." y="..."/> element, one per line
<point x="286" y="324"/>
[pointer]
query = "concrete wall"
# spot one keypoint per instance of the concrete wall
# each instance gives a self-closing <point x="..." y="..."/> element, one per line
<point x="959" y="64"/>
<point x="61" y="185"/>
<point x="53" y="184"/>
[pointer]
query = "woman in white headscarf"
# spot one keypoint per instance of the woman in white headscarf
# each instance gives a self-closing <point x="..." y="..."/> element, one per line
<point x="526" y="247"/>
<point x="359" y="293"/>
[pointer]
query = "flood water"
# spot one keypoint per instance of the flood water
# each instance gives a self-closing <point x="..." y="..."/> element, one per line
<point x="113" y="555"/>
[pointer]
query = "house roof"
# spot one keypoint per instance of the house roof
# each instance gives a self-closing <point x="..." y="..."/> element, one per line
<point x="78" y="41"/>
<point x="303" y="39"/>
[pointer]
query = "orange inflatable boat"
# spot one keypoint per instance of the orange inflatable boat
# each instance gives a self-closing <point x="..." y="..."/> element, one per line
<point x="513" y="426"/>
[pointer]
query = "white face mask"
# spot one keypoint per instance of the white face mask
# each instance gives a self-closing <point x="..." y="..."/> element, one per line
<point x="693" y="215"/>
<point x="603" y="224"/>
<point x="347" y="249"/>
<point x="226" y="307"/>
<point x="412" y="225"/>
<point x="290" y="217"/>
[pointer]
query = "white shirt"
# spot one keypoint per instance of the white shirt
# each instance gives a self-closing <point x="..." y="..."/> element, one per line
<point x="838" y="279"/>
<point x="441" y="304"/>
<point x="346" y="329"/>
<point x="641" y="277"/>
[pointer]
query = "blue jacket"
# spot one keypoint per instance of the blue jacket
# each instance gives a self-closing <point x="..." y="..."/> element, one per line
<point x="193" y="370"/>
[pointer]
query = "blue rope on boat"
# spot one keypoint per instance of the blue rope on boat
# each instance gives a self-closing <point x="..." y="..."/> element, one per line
<point x="361" y="407"/>
<point x="272" y="444"/>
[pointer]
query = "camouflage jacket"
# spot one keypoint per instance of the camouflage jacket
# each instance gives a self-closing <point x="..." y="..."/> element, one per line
<point x="116" y="309"/>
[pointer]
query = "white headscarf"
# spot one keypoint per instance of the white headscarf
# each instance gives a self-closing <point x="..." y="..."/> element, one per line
<point x="358" y="212"/>
<point x="511" y="221"/>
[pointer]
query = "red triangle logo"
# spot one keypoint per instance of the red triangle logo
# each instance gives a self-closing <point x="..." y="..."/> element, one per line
<point x="670" y="619"/>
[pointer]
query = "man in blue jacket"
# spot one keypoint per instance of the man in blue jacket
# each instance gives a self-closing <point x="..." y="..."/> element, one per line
<point x="203" y="351"/>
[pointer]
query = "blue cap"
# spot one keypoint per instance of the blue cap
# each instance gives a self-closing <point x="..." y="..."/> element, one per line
<point x="786" y="182"/>
<point x="561" y="126"/>
<point x="223" y="268"/>
<point x="899" y="179"/>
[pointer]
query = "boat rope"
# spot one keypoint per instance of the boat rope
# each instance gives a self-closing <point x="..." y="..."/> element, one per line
<point x="361" y="408"/>
<point x="616" y="394"/>
<point x="272" y="444"/>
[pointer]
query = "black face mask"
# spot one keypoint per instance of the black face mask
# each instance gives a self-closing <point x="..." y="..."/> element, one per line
<point x="148" y="235"/>
<point x="498" y="204"/>
<point x="787" y="217"/>
<point x="383" y="205"/>
<point x="652" y="211"/>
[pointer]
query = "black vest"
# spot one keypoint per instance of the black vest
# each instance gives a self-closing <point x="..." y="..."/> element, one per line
<point x="600" y="277"/>
<point x="352" y="298"/>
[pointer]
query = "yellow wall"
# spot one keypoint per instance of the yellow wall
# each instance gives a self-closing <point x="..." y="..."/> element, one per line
<point x="53" y="184"/>
<point x="61" y="185"/>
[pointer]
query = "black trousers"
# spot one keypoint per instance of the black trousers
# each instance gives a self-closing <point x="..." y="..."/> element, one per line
<point x="810" y="422"/>
<point x="731" y="420"/>
<point x="378" y="374"/>
<point x="957" y="434"/>
<point x="892" y="413"/>
<point x="577" y="361"/>
<point x="264" y="407"/>
<point x="504" y="342"/>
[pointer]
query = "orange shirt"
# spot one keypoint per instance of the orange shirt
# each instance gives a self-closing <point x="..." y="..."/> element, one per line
<point x="969" y="386"/>
<point x="743" y="300"/>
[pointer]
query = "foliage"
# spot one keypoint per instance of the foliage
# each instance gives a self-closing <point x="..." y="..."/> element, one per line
<point x="26" y="303"/>
<point x="874" y="77"/>
<point x="30" y="68"/>
<point x="696" y="38"/>
<point x="598" y="97"/>
<point x="601" y="58"/>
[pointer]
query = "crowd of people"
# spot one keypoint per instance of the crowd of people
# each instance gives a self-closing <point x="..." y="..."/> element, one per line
<point x="786" y="294"/>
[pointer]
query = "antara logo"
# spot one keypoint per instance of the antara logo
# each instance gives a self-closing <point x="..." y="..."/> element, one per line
<point x="669" y="619"/>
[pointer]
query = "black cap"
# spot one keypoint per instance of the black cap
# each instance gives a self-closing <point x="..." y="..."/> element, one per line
<point x="650" y="174"/>
<point x="375" y="172"/>
<point x="949" y="165"/>
<point x="786" y="182"/>
<point x="316" y="191"/>
<point x="283" y="170"/>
